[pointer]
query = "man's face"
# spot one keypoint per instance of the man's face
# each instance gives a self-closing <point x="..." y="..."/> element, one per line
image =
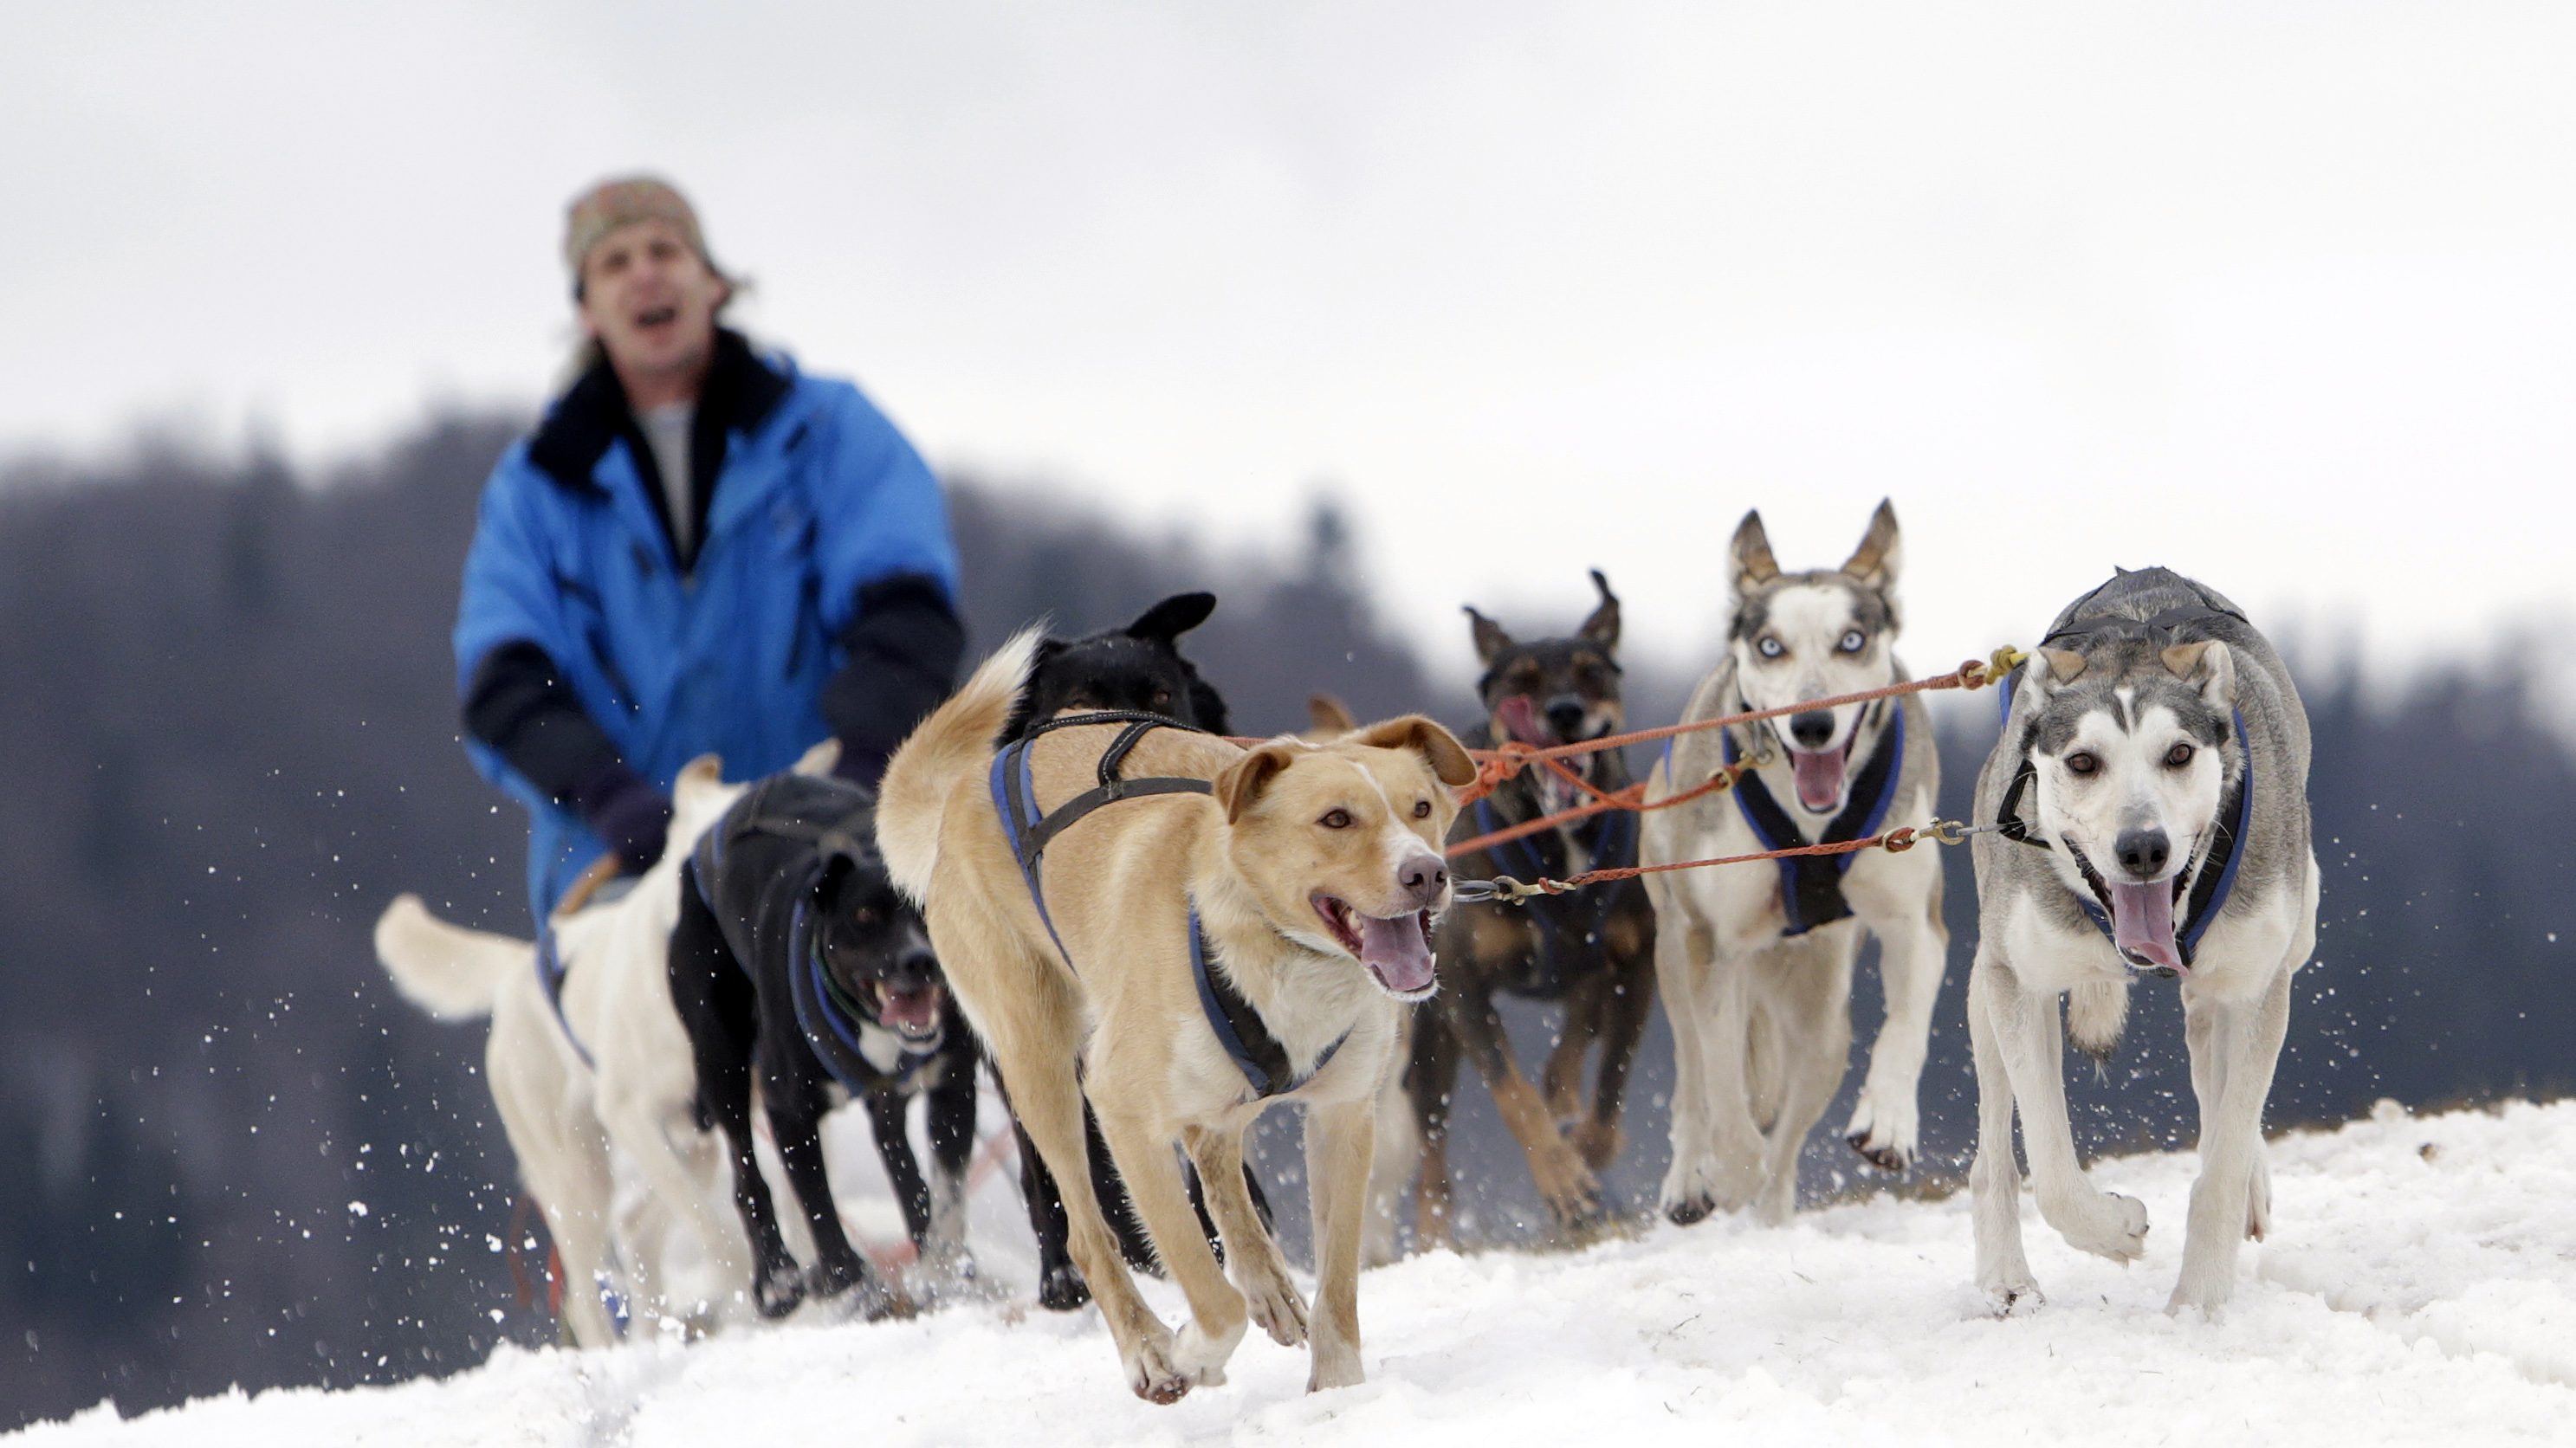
<point x="650" y="300"/>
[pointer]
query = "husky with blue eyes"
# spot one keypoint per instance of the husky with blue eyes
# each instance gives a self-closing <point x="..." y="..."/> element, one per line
<point x="2151" y="783"/>
<point x="1755" y="961"/>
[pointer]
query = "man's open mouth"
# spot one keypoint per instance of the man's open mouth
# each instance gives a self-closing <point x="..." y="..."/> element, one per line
<point x="1821" y="776"/>
<point x="660" y="316"/>
<point x="2142" y="916"/>
<point x="1396" y="950"/>
<point x="912" y="1013"/>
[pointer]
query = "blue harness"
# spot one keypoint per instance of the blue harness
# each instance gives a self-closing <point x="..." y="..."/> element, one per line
<point x="1811" y="886"/>
<point x="1238" y="1026"/>
<point x="2211" y="888"/>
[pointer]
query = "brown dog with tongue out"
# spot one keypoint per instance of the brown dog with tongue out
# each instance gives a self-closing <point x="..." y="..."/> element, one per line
<point x="1222" y="930"/>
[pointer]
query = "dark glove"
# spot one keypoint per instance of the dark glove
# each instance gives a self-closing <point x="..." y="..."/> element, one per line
<point x="628" y="814"/>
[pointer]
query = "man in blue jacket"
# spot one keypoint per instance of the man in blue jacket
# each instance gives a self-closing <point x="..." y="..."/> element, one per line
<point x="700" y="548"/>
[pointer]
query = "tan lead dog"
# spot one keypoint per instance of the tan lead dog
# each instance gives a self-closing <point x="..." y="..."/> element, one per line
<point x="1316" y="875"/>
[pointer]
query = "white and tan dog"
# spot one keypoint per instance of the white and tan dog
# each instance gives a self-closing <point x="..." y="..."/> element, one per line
<point x="1314" y="873"/>
<point x="1755" y="962"/>
<point x="621" y="1077"/>
<point x="2152" y="781"/>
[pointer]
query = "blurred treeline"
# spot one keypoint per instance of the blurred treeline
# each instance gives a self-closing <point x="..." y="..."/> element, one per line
<point x="230" y="1155"/>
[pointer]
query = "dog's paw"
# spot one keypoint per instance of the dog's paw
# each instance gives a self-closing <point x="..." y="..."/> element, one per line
<point x="854" y="1290"/>
<point x="1691" y="1211"/>
<point x="2203" y="1288"/>
<point x="1571" y="1191"/>
<point x="1338" y="1368"/>
<point x="1152" y="1373"/>
<point x="2258" y="1203"/>
<point x="2112" y="1226"/>
<point x="1689" y="1197"/>
<point x="1883" y="1133"/>
<point x="1597" y="1142"/>
<point x="1062" y="1289"/>
<point x="2014" y="1299"/>
<point x="1277" y="1308"/>
<point x="777" y="1289"/>
<point x="1201" y="1356"/>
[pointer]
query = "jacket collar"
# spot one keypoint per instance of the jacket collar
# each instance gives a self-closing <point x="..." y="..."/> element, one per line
<point x="741" y="392"/>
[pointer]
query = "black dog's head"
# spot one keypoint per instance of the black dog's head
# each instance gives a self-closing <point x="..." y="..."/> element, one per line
<point x="1138" y="668"/>
<point x="1554" y="690"/>
<point x="874" y="945"/>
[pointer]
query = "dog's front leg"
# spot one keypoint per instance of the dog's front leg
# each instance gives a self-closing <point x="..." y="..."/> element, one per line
<point x="1994" y="1178"/>
<point x="1251" y="1257"/>
<point x="2032" y="1044"/>
<point x="886" y="1113"/>
<point x="951" y="1114"/>
<point x="1338" y="1146"/>
<point x="1902" y="907"/>
<point x="796" y="1104"/>
<point x="1683" y="947"/>
<point x="2244" y="1039"/>
<point x="1572" y="1194"/>
<point x="1142" y="1148"/>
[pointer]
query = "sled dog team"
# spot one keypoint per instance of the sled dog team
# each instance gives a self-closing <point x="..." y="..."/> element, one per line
<point x="1152" y="934"/>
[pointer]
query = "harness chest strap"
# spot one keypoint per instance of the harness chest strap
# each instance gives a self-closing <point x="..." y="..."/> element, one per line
<point x="1256" y="1052"/>
<point x="1811" y="888"/>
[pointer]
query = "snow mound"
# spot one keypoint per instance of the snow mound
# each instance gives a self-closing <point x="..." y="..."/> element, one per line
<point x="2420" y="1286"/>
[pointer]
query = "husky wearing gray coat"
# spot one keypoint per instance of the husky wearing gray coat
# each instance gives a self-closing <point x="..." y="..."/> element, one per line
<point x="2151" y="783"/>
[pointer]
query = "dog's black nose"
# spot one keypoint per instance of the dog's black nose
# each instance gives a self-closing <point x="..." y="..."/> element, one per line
<point x="2143" y="852"/>
<point x="1812" y="729"/>
<point x="1423" y="877"/>
<point x="1565" y="716"/>
<point x="916" y="965"/>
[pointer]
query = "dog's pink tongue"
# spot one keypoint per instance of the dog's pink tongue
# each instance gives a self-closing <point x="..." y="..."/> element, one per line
<point x="2142" y="923"/>
<point x="912" y="1010"/>
<point x="1520" y="716"/>
<point x="1820" y="777"/>
<point x="1396" y="951"/>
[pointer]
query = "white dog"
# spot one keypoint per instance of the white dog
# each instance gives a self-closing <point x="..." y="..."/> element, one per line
<point x="611" y="1066"/>
<point x="1755" y="961"/>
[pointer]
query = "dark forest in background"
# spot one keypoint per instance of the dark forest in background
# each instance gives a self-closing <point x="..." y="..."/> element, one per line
<point x="227" y="738"/>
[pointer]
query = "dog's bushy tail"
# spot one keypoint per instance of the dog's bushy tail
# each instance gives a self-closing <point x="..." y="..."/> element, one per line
<point x="447" y="970"/>
<point x="2096" y="1013"/>
<point x="954" y="743"/>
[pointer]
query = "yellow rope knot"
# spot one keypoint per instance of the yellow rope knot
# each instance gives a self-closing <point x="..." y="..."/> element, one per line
<point x="1975" y="675"/>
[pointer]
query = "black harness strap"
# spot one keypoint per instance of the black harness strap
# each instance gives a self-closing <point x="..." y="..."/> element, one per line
<point x="1237" y="1023"/>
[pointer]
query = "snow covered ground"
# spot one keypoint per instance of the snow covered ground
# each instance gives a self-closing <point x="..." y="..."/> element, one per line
<point x="2420" y="1287"/>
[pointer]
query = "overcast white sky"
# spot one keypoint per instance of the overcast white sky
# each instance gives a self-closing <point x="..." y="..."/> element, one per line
<point x="2280" y="295"/>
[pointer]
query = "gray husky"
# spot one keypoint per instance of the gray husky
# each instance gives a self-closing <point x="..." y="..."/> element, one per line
<point x="1755" y="961"/>
<point x="2152" y="787"/>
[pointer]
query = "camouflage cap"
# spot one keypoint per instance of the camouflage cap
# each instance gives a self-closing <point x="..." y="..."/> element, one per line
<point x="622" y="202"/>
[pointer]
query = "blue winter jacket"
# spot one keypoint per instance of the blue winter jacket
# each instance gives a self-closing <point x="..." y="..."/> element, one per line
<point x="817" y="499"/>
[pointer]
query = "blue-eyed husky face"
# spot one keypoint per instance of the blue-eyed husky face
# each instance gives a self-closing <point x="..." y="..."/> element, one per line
<point x="1816" y="635"/>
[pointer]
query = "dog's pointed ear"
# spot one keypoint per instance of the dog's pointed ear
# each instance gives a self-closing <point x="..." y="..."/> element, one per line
<point x="2050" y="668"/>
<point x="1240" y="786"/>
<point x="1328" y="715"/>
<point x="1490" y="638"/>
<point x="1449" y="758"/>
<point x="1603" y="627"/>
<point x="2208" y="665"/>
<point x="1173" y="617"/>
<point x="1754" y="565"/>
<point x="1881" y="550"/>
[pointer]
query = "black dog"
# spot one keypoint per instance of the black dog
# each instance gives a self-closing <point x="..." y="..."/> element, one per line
<point x="1594" y="949"/>
<point x="793" y="953"/>
<point x="1135" y="669"/>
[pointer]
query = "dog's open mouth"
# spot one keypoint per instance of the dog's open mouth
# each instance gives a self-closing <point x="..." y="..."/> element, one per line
<point x="1397" y="951"/>
<point x="2142" y="916"/>
<point x="912" y="1014"/>
<point x="1820" y="776"/>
